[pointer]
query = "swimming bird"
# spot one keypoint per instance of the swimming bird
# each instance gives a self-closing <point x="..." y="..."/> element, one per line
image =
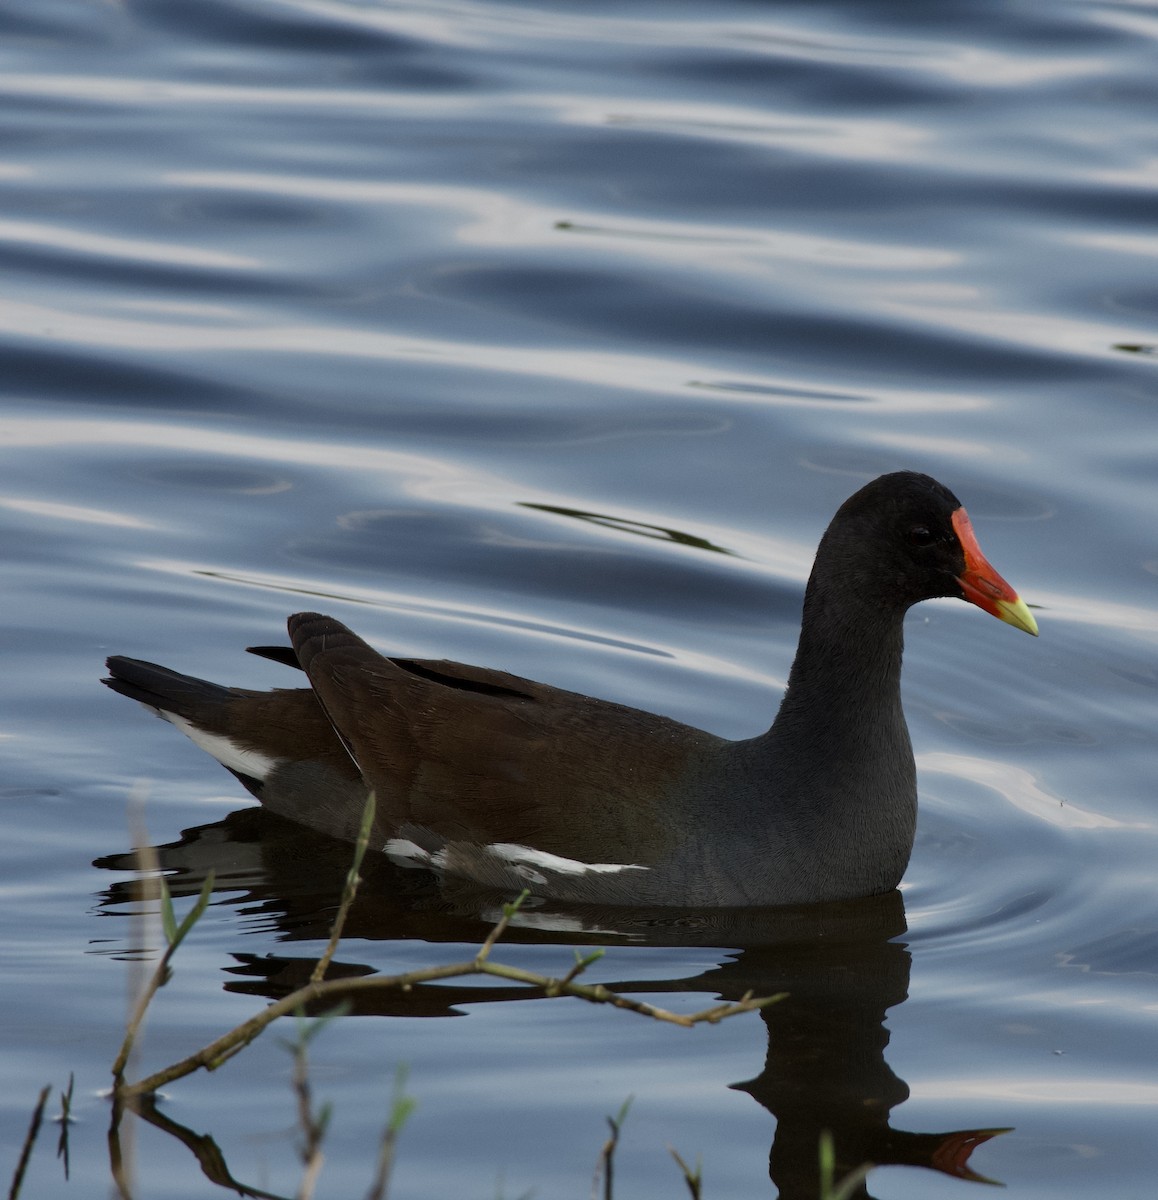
<point x="514" y="784"/>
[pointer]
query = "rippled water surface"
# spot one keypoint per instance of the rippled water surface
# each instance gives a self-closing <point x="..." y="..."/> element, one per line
<point x="549" y="337"/>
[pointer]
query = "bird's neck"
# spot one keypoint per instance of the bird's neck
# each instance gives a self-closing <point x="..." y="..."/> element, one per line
<point x="842" y="708"/>
<point x="847" y="664"/>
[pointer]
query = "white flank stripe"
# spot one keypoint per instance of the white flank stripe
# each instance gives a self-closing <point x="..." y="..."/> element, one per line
<point x="525" y="855"/>
<point x="409" y="854"/>
<point x="247" y="762"/>
<point x="401" y="848"/>
<point x="522" y="860"/>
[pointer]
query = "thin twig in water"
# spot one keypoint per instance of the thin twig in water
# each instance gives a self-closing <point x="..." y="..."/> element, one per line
<point x="693" y="1178"/>
<point x="311" y="995"/>
<point x="401" y="1108"/>
<point x="509" y="911"/>
<point x="65" y="1122"/>
<point x="312" y="1124"/>
<point x="29" y="1142"/>
<point x="606" y="1164"/>
<point x="205" y="1151"/>
<point x="582" y="962"/>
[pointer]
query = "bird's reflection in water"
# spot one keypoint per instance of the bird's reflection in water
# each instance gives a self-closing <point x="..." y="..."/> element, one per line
<point x="841" y="965"/>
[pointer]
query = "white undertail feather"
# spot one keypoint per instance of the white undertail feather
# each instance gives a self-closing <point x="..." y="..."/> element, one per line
<point x="251" y="763"/>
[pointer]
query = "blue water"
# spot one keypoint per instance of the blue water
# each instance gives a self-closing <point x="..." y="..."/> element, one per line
<point x="549" y="337"/>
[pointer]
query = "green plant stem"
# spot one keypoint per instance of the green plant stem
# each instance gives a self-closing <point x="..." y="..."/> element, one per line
<point x="175" y="934"/>
<point x="693" y="1178"/>
<point x="402" y="1107"/>
<point x="353" y="879"/>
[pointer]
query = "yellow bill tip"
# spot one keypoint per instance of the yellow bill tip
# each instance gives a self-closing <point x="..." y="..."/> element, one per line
<point x="1016" y="612"/>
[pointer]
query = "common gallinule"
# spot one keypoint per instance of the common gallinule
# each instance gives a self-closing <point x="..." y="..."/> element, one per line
<point x="483" y="775"/>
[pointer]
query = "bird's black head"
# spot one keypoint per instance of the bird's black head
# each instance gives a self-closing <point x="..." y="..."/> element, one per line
<point x="904" y="538"/>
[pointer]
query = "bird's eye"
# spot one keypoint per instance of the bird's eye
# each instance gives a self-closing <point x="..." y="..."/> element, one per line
<point x="921" y="535"/>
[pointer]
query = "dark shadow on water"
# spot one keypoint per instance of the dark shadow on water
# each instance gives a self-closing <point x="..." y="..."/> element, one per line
<point x="842" y="965"/>
<point x="625" y="525"/>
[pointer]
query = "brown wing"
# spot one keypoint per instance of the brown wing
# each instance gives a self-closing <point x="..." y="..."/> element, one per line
<point x="484" y="756"/>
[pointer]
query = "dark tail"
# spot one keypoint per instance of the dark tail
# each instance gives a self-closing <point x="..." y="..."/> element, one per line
<point x="162" y="689"/>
